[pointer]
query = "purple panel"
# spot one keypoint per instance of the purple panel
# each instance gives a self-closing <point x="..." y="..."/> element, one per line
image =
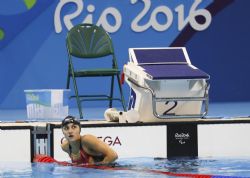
<point x="174" y="72"/>
<point x="159" y="55"/>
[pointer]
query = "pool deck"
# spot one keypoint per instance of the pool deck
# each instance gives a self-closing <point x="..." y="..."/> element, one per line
<point x="217" y="112"/>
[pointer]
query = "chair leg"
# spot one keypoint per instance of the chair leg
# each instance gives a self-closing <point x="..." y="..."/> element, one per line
<point x="68" y="77"/>
<point x="68" y="82"/>
<point x="77" y="98"/>
<point x="111" y="92"/>
<point x="121" y="93"/>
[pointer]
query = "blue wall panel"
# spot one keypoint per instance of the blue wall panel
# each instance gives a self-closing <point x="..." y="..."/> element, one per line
<point x="33" y="53"/>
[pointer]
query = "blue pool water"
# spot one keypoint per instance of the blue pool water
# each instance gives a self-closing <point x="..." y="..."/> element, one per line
<point x="134" y="167"/>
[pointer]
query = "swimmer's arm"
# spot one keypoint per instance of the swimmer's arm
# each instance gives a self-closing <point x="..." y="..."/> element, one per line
<point x="65" y="147"/>
<point x="96" y="145"/>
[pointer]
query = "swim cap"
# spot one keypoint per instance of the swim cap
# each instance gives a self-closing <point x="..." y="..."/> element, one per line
<point x="70" y="119"/>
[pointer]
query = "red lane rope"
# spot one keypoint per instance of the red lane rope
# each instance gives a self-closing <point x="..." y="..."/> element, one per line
<point x="48" y="159"/>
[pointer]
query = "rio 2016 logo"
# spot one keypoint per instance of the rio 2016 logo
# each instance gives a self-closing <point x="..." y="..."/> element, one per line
<point x="152" y="22"/>
<point x="182" y="137"/>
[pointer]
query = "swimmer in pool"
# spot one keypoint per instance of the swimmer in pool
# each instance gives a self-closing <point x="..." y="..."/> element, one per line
<point x="86" y="149"/>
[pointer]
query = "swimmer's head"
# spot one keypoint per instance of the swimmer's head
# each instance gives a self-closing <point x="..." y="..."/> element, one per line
<point x="70" y="119"/>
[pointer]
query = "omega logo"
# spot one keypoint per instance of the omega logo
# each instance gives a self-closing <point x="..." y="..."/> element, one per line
<point x="111" y="141"/>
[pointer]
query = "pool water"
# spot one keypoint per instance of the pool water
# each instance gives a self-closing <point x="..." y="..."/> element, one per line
<point x="134" y="167"/>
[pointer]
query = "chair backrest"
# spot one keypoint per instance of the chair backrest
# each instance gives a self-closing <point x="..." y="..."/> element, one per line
<point x="89" y="41"/>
